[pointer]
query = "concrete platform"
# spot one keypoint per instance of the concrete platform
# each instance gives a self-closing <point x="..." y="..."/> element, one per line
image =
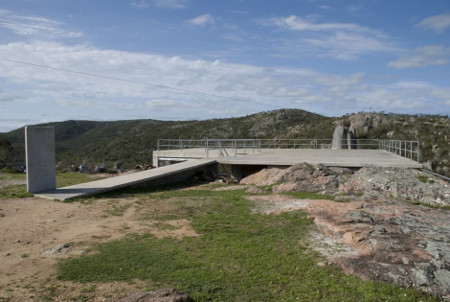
<point x="267" y="157"/>
<point x="328" y="157"/>
<point x="288" y="157"/>
<point x="114" y="183"/>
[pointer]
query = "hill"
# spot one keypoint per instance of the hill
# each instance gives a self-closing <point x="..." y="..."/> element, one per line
<point x="131" y="142"/>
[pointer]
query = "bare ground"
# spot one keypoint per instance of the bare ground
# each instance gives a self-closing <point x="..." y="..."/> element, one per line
<point x="36" y="233"/>
<point x="381" y="239"/>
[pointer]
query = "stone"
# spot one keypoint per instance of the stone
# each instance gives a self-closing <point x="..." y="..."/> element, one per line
<point x="117" y="165"/>
<point x="339" y="137"/>
<point x="20" y="167"/>
<point x="59" y="249"/>
<point x="161" y="295"/>
<point x="84" y="169"/>
<point x="100" y="169"/>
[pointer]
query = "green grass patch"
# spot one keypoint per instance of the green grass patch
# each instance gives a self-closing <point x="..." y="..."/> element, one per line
<point x="14" y="191"/>
<point x="309" y="195"/>
<point x="73" y="178"/>
<point x="432" y="206"/>
<point x="239" y="256"/>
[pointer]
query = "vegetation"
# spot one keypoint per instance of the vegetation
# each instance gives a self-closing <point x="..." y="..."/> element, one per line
<point x="15" y="185"/>
<point x="238" y="256"/>
<point x="131" y="142"/>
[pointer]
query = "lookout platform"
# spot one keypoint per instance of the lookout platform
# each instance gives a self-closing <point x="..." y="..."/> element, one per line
<point x="177" y="160"/>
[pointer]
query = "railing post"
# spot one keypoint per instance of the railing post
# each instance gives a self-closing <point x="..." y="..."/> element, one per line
<point x="418" y="152"/>
<point x="411" y="148"/>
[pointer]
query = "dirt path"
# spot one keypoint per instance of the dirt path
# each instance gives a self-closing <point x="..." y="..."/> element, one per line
<point x="36" y="233"/>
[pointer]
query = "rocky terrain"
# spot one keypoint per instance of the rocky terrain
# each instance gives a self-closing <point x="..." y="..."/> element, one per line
<point x="375" y="226"/>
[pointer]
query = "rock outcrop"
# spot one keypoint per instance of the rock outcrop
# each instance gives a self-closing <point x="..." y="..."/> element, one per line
<point x="390" y="236"/>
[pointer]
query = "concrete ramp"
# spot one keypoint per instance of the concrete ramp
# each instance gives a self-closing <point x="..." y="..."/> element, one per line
<point x="161" y="175"/>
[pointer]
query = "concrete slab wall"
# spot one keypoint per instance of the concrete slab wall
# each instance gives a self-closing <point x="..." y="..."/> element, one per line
<point x="40" y="159"/>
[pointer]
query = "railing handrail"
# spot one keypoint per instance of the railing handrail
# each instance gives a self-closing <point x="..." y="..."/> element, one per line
<point x="405" y="148"/>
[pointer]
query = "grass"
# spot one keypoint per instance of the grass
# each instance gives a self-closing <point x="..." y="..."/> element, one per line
<point x="73" y="178"/>
<point x="432" y="206"/>
<point x="14" y="191"/>
<point x="239" y="256"/>
<point x="20" y="190"/>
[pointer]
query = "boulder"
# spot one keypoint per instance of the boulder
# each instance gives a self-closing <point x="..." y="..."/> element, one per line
<point x="339" y="137"/>
<point x="20" y="167"/>
<point x="100" y="169"/>
<point x="117" y="165"/>
<point x="84" y="169"/>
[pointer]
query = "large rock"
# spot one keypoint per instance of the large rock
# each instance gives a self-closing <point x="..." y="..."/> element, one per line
<point x="400" y="183"/>
<point x="161" y="295"/>
<point x="84" y="169"/>
<point x="339" y="137"/>
<point x="300" y="177"/>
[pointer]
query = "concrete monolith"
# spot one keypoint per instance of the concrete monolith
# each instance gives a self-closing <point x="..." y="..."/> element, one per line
<point x="40" y="153"/>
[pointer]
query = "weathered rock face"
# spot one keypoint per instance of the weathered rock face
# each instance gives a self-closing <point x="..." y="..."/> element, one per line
<point x="361" y="123"/>
<point x="374" y="182"/>
<point x="300" y="177"/>
<point x="393" y="241"/>
<point x="161" y="295"/>
<point x="385" y="237"/>
<point x="339" y="138"/>
<point x="405" y="184"/>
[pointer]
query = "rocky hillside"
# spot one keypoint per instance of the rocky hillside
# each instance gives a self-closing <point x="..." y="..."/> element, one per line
<point x="432" y="131"/>
<point x="131" y="142"/>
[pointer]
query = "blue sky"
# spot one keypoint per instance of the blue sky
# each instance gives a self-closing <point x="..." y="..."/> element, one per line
<point x="242" y="56"/>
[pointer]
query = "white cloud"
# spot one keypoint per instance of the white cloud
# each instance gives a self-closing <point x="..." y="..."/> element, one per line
<point x="423" y="56"/>
<point x="203" y="20"/>
<point x="245" y="88"/>
<point x="345" y="41"/>
<point x="34" y="26"/>
<point x="438" y="23"/>
<point x="171" y="4"/>
<point x="297" y="23"/>
<point x="354" y="8"/>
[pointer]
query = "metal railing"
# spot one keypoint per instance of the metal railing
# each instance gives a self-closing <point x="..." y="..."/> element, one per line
<point x="236" y="147"/>
<point x="407" y="149"/>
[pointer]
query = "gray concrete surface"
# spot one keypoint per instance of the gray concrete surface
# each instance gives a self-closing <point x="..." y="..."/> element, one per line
<point x="267" y="157"/>
<point x="40" y="159"/>
<point x="288" y="157"/>
<point x="328" y="157"/>
<point x="113" y="183"/>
